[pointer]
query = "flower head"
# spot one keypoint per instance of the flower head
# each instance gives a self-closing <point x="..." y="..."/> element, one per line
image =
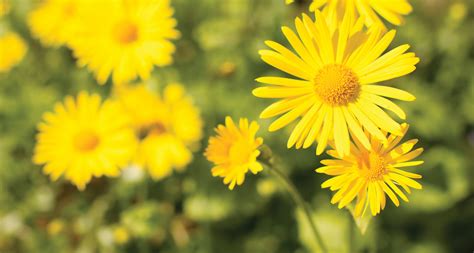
<point x="84" y="138"/>
<point x="333" y="89"/>
<point x="12" y="51"/>
<point x="234" y="151"/>
<point x="168" y="127"/>
<point x="372" y="174"/>
<point x="56" y="22"/>
<point x="371" y="10"/>
<point x="131" y="39"/>
<point x="4" y="7"/>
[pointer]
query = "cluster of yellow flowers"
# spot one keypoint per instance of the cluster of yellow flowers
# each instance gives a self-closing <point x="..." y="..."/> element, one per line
<point x="84" y="137"/>
<point x="126" y="43"/>
<point x="336" y="63"/>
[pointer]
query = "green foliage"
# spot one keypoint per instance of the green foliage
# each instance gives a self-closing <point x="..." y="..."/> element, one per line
<point x="217" y="60"/>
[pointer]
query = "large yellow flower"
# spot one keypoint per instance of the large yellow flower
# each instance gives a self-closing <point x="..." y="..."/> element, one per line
<point x="56" y="22"/>
<point x="391" y="10"/>
<point x="234" y="151"/>
<point x="168" y="127"/>
<point x="12" y="51"/>
<point x="83" y="138"/>
<point x="370" y="174"/>
<point x="128" y="40"/>
<point x="333" y="90"/>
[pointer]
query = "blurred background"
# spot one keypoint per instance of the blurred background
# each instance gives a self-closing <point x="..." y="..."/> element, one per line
<point x="217" y="61"/>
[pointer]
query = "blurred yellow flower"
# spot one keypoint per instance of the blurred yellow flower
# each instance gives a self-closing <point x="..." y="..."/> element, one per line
<point x="168" y="127"/>
<point x="371" y="10"/>
<point x="370" y="174"/>
<point x="12" y="51"/>
<point x="128" y="41"/>
<point x="55" y="227"/>
<point x="121" y="235"/>
<point x="334" y="91"/>
<point x="83" y="138"/>
<point x="4" y="7"/>
<point x="55" y="22"/>
<point x="234" y="151"/>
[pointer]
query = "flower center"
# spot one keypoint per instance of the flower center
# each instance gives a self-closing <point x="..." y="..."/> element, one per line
<point x="126" y="32"/>
<point x="239" y="152"/>
<point x="86" y="141"/>
<point x="69" y="9"/>
<point x="375" y="167"/>
<point x="156" y="128"/>
<point x="336" y="85"/>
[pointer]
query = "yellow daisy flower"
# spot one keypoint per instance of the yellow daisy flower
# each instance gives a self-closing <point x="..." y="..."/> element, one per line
<point x="55" y="22"/>
<point x="168" y="127"/>
<point x="371" y="10"/>
<point x="234" y="151"/>
<point x="129" y="41"/>
<point x="83" y="138"/>
<point x="371" y="174"/>
<point x="12" y="51"/>
<point x="334" y="89"/>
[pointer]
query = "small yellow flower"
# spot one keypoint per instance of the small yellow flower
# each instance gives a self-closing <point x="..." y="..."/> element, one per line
<point x="390" y="10"/>
<point x="128" y="41"/>
<point x="12" y="51"/>
<point x="55" y="22"/>
<point x="372" y="174"/>
<point x="4" y="7"/>
<point x="333" y="92"/>
<point x="168" y="127"/>
<point x="55" y="227"/>
<point x="234" y="151"/>
<point x="121" y="235"/>
<point x="83" y="138"/>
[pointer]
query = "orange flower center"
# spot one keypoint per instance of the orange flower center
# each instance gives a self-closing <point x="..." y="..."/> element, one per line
<point x="373" y="167"/>
<point x="126" y="32"/>
<point x="337" y="85"/>
<point x="239" y="152"/>
<point x="86" y="141"/>
<point x="156" y="128"/>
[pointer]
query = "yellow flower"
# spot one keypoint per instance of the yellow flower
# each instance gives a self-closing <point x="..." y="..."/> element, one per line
<point x="334" y="90"/>
<point x="4" y="7"/>
<point x="12" y="51"/>
<point x="55" y="227"/>
<point x="128" y="41"/>
<point x="55" y="22"/>
<point x="168" y="127"/>
<point x="121" y="235"/>
<point x="391" y="10"/>
<point x="370" y="174"/>
<point x="83" y="138"/>
<point x="234" y="151"/>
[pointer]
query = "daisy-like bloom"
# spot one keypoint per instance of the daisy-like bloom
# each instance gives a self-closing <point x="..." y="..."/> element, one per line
<point x="371" y="10"/>
<point x="84" y="138"/>
<point x="333" y="89"/>
<point x="234" y="151"/>
<point x="168" y="127"/>
<point x="55" y="22"/>
<point x="372" y="174"/>
<point x="12" y="51"/>
<point x="129" y="41"/>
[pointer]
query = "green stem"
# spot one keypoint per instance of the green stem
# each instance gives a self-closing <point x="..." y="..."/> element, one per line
<point x="296" y="196"/>
<point x="351" y="233"/>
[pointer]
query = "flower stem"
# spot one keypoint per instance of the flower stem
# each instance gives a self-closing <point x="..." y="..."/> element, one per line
<point x="298" y="199"/>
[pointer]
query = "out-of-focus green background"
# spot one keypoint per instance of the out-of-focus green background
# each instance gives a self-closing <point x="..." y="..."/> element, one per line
<point x="217" y="60"/>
